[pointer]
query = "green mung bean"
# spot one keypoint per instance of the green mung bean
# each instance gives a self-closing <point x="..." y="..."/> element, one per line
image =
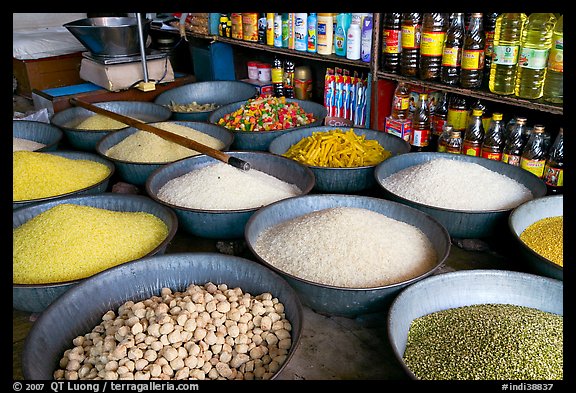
<point x="486" y="342"/>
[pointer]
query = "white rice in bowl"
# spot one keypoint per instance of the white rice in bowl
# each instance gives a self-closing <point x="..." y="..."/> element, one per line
<point x="347" y="247"/>
<point x="457" y="185"/>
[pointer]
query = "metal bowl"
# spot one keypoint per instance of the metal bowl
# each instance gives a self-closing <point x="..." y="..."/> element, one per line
<point x="347" y="302"/>
<point x="207" y="92"/>
<point x="137" y="172"/>
<point x="109" y="36"/>
<point x="341" y="180"/>
<point x="460" y="223"/>
<point x="69" y="118"/>
<point x="260" y="140"/>
<point x="36" y="297"/>
<point x="38" y="131"/>
<point x="226" y="224"/>
<point x="527" y="214"/>
<point x="465" y="288"/>
<point x="81" y="308"/>
<point x="97" y="188"/>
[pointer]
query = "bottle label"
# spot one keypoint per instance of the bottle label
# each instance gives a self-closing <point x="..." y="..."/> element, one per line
<point x="401" y="103"/>
<point x="451" y="57"/>
<point x="410" y="37"/>
<point x="453" y="149"/>
<point x="420" y="138"/>
<point x="277" y="75"/>
<point x="437" y="125"/>
<point x="471" y="148"/>
<point x="553" y="176"/>
<point x="511" y="159"/>
<point x="556" y="57"/>
<point x="392" y="41"/>
<point x="491" y="155"/>
<point x="489" y="47"/>
<point x="535" y="59"/>
<point x="534" y="166"/>
<point x="473" y="59"/>
<point x="431" y="44"/>
<point x="505" y="55"/>
<point x="458" y="118"/>
<point x="442" y="148"/>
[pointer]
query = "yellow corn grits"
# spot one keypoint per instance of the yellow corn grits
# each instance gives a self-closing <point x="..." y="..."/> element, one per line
<point x="337" y="149"/>
<point x="41" y="175"/>
<point x="546" y="237"/>
<point x="71" y="242"/>
<point x="100" y="122"/>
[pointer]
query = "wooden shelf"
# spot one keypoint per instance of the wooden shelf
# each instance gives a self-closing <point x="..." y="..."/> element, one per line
<point x="537" y="105"/>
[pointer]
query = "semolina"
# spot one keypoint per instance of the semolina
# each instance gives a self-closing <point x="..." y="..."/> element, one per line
<point x="41" y="175"/>
<point x="100" y="122"/>
<point x="546" y="238"/>
<point x="71" y="242"/>
<point x="145" y="147"/>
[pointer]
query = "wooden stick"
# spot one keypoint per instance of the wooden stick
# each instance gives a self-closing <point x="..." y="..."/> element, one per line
<point x="169" y="136"/>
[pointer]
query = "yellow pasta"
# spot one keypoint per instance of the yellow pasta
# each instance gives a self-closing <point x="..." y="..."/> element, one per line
<point x="337" y="149"/>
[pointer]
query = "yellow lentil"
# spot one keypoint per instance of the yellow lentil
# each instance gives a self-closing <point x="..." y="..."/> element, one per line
<point x="546" y="237"/>
<point x="41" y="175"/>
<point x="100" y="122"/>
<point x="70" y="242"/>
<point x="337" y="149"/>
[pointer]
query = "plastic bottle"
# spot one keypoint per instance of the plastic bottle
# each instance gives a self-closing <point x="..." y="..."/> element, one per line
<point x="494" y="140"/>
<point x="285" y="29"/>
<point x="534" y="154"/>
<point x="454" y="143"/>
<point x="489" y="30"/>
<point x="434" y="28"/>
<point x="534" y="49"/>
<point x="303" y="83"/>
<point x="324" y="34"/>
<point x="472" y="67"/>
<point x="443" y="139"/>
<point x="343" y="21"/>
<point x="353" y="42"/>
<point x="312" y="31"/>
<point x="278" y="77"/>
<point x="270" y="29"/>
<point x="366" y="39"/>
<point x="438" y="119"/>
<point x="301" y="32"/>
<point x="278" y="31"/>
<point x="458" y="112"/>
<point x="554" y="169"/>
<point x="505" y="53"/>
<point x="289" y="78"/>
<point x="554" y="82"/>
<point x="420" y="137"/>
<point x="514" y="144"/>
<point x="391" y="42"/>
<point x="400" y="101"/>
<point x="452" y="50"/>
<point x="410" y="55"/>
<point x="474" y="136"/>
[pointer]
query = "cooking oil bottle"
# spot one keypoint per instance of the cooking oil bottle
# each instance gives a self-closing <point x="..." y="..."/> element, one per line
<point x="391" y="42"/>
<point x="472" y="66"/>
<point x="434" y="27"/>
<point x="554" y="83"/>
<point x="410" y="55"/>
<point x="534" y="49"/>
<point x="506" y="49"/>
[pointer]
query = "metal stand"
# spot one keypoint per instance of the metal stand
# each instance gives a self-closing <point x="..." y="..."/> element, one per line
<point x="146" y="85"/>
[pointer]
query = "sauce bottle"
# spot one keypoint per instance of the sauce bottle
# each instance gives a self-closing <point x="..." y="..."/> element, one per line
<point x="438" y="119"/>
<point x="454" y="143"/>
<point x="554" y="169"/>
<point x="443" y="139"/>
<point x="474" y="136"/>
<point x="289" y="79"/>
<point x="401" y="101"/>
<point x="278" y="77"/>
<point x="391" y="42"/>
<point x="452" y="50"/>
<point x="458" y="112"/>
<point x="434" y="27"/>
<point x="534" y="154"/>
<point x="410" y="55"/>
<point x="420" y="137"/>
<point x="514" y="143"/>
<point x="472" y="67"/>
<point x="493" y="142"/>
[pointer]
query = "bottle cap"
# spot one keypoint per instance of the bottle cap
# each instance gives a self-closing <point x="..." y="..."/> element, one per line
<point x="538" y="128"/>
<point x="521" y="120"/>
<point x="477" y="112"/>
<point x="497" y="116"/>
